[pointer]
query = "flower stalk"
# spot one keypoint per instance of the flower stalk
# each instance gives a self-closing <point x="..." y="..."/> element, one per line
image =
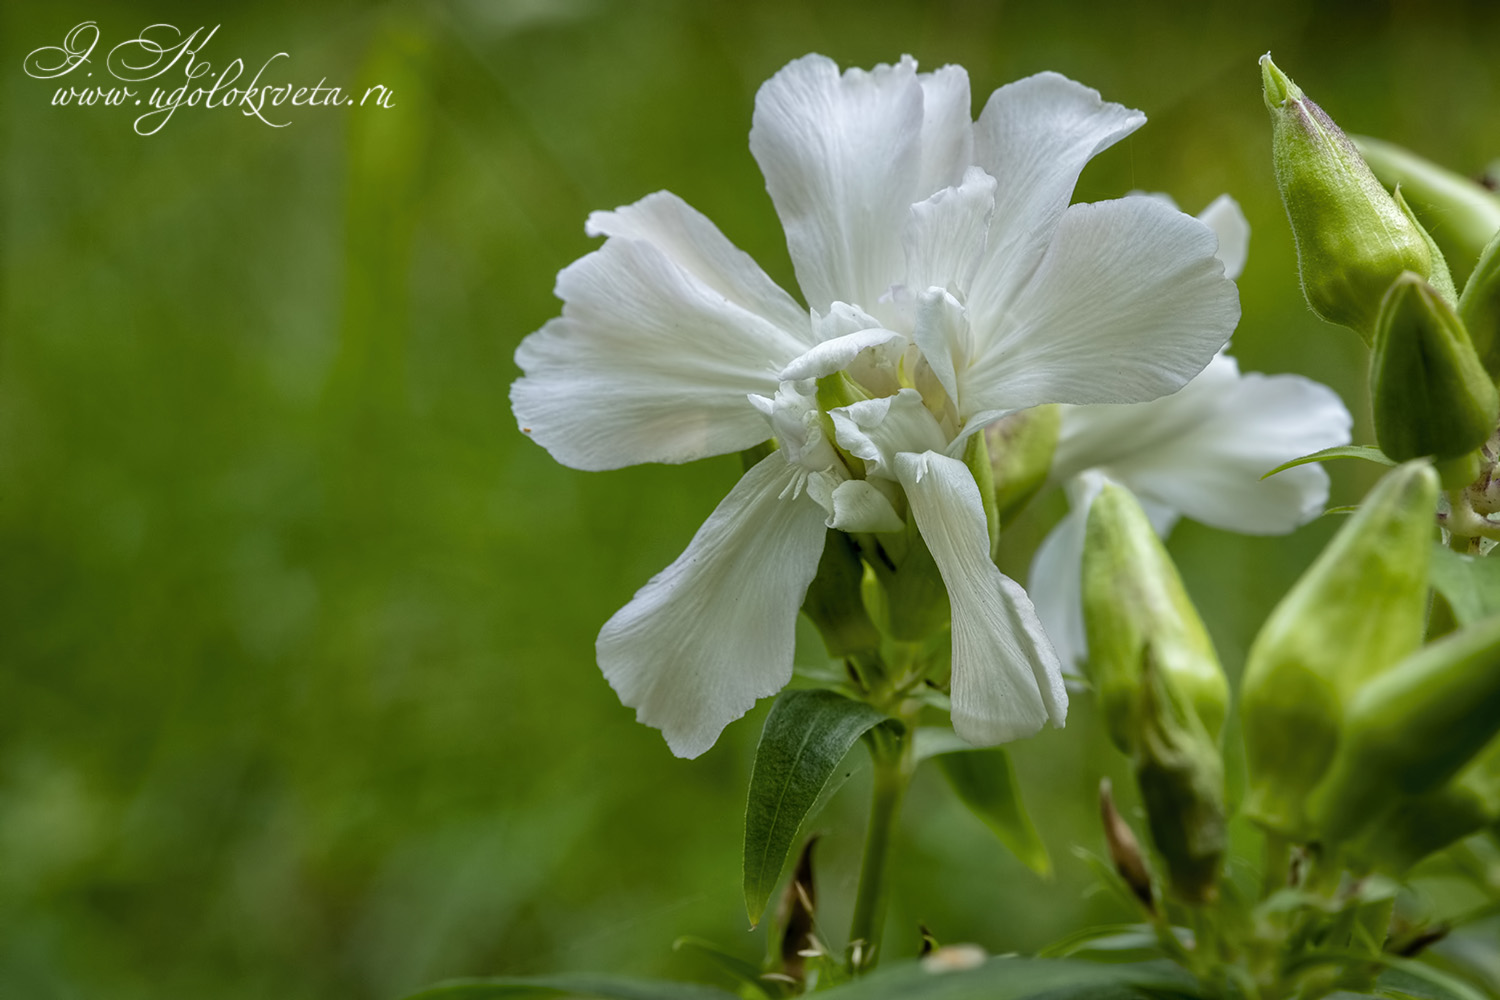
<point x="892" y="754"/>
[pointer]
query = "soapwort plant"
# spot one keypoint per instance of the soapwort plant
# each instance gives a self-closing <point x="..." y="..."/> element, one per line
<point x="966" y="341"/>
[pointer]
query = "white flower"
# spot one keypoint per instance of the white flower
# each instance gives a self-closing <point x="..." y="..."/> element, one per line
<point x="948" y="278"/>
<point x="1199" y="452"/>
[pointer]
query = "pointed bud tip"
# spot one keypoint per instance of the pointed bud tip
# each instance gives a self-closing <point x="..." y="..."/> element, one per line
<point x="1276" y="85"/>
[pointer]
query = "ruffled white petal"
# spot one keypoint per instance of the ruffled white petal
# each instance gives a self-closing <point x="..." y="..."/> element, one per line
<point x="1006" y="680"/>
<point x="1035" y="136"/>
<point x="1202" y="451"/>
<point x="796" y="423"/>
<point x="1105" y="435"/>
<point x="947" y="129"/>
<point x="713" y="632"/>
<point x="1211" y="471"/>
<point x="876" y="430"/>
<point x="835" y="355"/>
<point x="941" y="331"/>
<point x="944" y="235"/>
<point x="645" y="364"/>
<point x="1224" y="217"/>
<point x="1128" y="303"/>
<point x="858" y="506"/>
<point x="842" y="159"/>
<point x="1055" y="580"/>
<point x="697" y="246"/>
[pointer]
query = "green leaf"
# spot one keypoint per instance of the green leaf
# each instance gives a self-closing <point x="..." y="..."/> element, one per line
<point x="744" y="972"/>
<point x="1022" y="979"/>
<point x="581" y="984"/>
<point x="807" y="733"/>
<point x="1422" y="981"/>
<point x="1470" y="583"/>
<point x="1364" y="451"/>
<point x="985" y="781"/>
<point x="1110" y="943"/>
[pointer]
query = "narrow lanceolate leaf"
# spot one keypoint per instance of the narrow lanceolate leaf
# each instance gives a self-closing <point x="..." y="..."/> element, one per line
<point x="1470" y="583"/>
<point x="807" y="733"/>
<point x="1022" y="979"/>
<point x="985" y="781"/>
<point x="572" y="984"/>
<point x="1364" y="451"/>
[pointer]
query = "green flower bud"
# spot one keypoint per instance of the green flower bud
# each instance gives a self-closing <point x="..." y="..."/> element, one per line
<point x="1359" y="609"/>
<point x="1458" y="211"/>
<point x="1479" y="307"/>
<point x="1430" y="395"/>
<point x="1411" y="729"/>
<point x="1352" y="237"/>
<point x="1441" y="278"/>
<point x="1418" y="827"/>
<point x="1135" y="608"/>
<point x="1020" y="448"/>
<point x="1181" y="776"/>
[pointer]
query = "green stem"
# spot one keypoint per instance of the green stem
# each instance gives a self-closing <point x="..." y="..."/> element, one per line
<point x="1275" y="865"/>
<point x="891" y="754"/>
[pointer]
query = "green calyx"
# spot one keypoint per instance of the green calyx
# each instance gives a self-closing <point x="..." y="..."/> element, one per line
<point x="1411" y="729"/>
<point x="1135" y="606"/>
<point x="1160" y="686"/>
<point x="1357" y="611"/>
<point x="1458" y="211"/>
<point x="1353" y="239"/>
<point x="1020" y="449"/>
<point x="1479" y="307"/>
<point x="1430" y="393"/>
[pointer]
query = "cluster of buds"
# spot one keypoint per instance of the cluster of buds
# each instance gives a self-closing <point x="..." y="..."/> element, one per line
<point x="1367" y="263"/>
<point x="1395" y="752"/>
<point x="1160" y="687"/>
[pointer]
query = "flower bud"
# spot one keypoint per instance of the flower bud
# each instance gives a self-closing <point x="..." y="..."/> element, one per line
<point x="1479" y="307"/>
<point x="1418" y="827"/>
<point x="1021" y="447"/>
<point x="1135" y="607"/>
<point x="1352" y="237"/>
<point x="1411" y="729"/>
<point x="1181" y="776"/>
<point x="1359" y="609"/>
<point x="1430" y="395"/>
<point x="1125" y="849"/>
<point x="1458" y="211"/>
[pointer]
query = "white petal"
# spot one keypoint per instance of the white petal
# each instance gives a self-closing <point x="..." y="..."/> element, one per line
<point x="646" y="364"/>
<point x="713" y="632"/>
<point x="695" y="244"/>
<point x="1127" y="305"/>
<point x="1211" y="470"/>
<point x="796" y="423"/>
<point x="859" y="506"/>
<point x="947" y="128"/>
<point x="877" y="429"/>
<point x="1105" y="435"/>
<point x="1035" y="136"/>
<point x="1224" y="217"/>
<point x="842" y="159"/>
<point x="835" y="355"/>
<point x="944" y="235"/>
<point x="1006" y="678"/>
<point x="941" y="332"/>
<point x="1055" y="580"/>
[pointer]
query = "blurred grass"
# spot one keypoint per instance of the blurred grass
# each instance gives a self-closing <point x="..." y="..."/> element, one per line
<point x="296" y="631"/>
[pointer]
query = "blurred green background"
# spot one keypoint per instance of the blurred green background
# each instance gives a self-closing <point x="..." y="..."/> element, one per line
<point x="296" y="634"/>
